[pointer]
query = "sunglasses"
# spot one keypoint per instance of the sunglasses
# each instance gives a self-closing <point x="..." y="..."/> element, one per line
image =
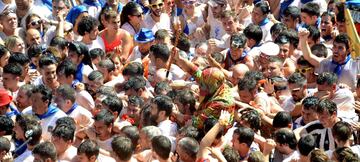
<point x="303" y="70"/>
<point x="66" y="32"/>
<point x="188" y="2"/>
<point x="138" y="15"/>
<point x="6" y="12"/>
<point x="157" y="5"/>
<point x="33" y="23"/>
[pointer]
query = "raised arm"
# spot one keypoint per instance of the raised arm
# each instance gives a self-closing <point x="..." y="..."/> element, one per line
<point x="305" y="48"/>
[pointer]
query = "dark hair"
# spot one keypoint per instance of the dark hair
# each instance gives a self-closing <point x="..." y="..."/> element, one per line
<point x="106" y="116"/>
<point x="342" y="131"/>
<point x="328" y="78"/>
<point x="251" y="117"/>
<point x="162" y="86"/>
<point x="314" y="33"/>
<point x="19" y="58"/>
<point x="133" y="69"/>
<point x="4" y="144"/>
<point x="228" y="14"/>
<point x="248" y="84"/>
<point x="310" y="103"/>
<point x="264" y="7"/>
<point x="45" y="150"/>
<point x="81" y="49"/>
<point x="306" y="144"/>
<point x="345" y="154"/>
<point x="341" y="38"/>
<point x="190" y="131"/>
<point x="282" y="119"/>
<point x="239" y="37"/>
<point x="187" y="97"/>
<point x="255" y="75"/>
<point x="122" y="147"/>
<point x="246" y="135"/>
<point x="162" y="146"/>
<point x="7" y="125"/>
<point x="89" y="148"/>
<point x="66" y="68"/>
<point x="95" y="75"/>
<point x="190" y="146"/>
<point x="45" y="92"/>
<point x="208" y="124"/>
<point x="286" y="136"/>
<point x="64" y="132"/>
<point x="303" y="62"/>
<point x="312" y="9"/>
<point x="13" y="68"/>
<point x="326" y="105"/>
<point x="160" y="51"/>
<point x="136" y="83"/>
<point x="87" y="24"/>
<point x="67" y="92"/>
<point x="293" y="37"/>
<point x="161" y="34"/>
<point x="96" y="52"/>
<point x="129" y="9"/>
<point x="46" y="61"/>
<point x="277" y="28"/>
<point x="282" y="39"/>
<point x="68" y="121"/>
<point x="136" y="100"/>
<point x="3" y="50"/>
<point x="231" y="154"/>
<point x="35" y="51"/>
<point x="293" y="12"/>
<point x="298" y="79"/>
<point x="218" y="57"/>
<point x="253" y="31"/>
<point x="131" y="132"/>
<point x="331" y="15"/>
<point x="183" y="43"/>
<point x="163" y="103"/>
<point x="113" y="103"/>
<point x="106" y="90"/>
<point x="59" y="42"/>
<point x="108" y="64"/>
<point x="319" y="50"/>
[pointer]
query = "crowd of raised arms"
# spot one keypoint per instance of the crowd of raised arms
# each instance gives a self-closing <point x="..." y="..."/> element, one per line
<point x="178" y="81"/>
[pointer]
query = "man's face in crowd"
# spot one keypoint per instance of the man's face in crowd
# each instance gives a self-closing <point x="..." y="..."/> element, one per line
<point x="101" y="129"/>
<point x="289" y="22"/>
<point x="74" y="57"/>
<point x="157" y="7"/>
<point x="339" y="52"/>
<point x="10" y="81"/>
<point x="9" y="22"/>
<point x="60" y="144"/>
<point x="236" y="53"/>
<point x="23" y="4"/>
<point x="19" y="132"/>
<point x="49" y="74"/>
<point x="236" y="143"/>
<point x="183" y="156"/>
<point x="154" y="113"/>
<point x="83" y="158"/>
<point x="273" y="69"/>
<point x="229" y="25"/>
<point x="246" y="96"/>
<point x="217" y="9"/>
<point x="284" y="50"/>
<point x="22" y="100"/>
<point x="308" y="115"/>
<point x="257" y="15"/>
<point x="134" y="111"/>
<point x="93" y="85"/>
<point x="94" y="33"/>
<point x="144" y="48"/>
<point x="58" y="6"/>
<point x="297" y="92"/>
<point x="307" y="19"/>
<point x="33" y="37"/>
<point x="327" y="119"/>
<point x="281" y="148"/>
<point x="326" y="26"/>
<point x="305" y="70"/>
<point x="4" y="59"/>
<point x="39" y="106"/>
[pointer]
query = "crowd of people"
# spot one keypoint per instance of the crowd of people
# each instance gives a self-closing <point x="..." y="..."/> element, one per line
<point x="177" y="80"/>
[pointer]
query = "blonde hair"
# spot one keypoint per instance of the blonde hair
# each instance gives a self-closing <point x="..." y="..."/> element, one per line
<point x="10" y="42"/>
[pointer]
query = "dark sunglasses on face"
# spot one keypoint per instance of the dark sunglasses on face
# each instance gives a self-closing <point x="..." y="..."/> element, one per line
<point x="188" y="2"/>
<point x="33" y="23"/>
<point x="303" y="71"/>
<point x="66" y="32"/>
<point x="157" y="5"/>
<point x="138" y="15"/>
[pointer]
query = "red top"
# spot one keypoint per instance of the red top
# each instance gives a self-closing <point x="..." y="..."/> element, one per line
<point x="109" y="47"/>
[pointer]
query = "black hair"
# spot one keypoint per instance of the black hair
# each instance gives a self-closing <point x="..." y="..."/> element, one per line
<point x="136" y="101"/>
<point x="89" y="148"/>
<point x="161" y="87"/>
<point x="108" y="64"/>
<point x="66" y="68"/>
<point x="67" y="92"/>
<point x="184" y="43"/>
<point x="131" y="132"/>
<point x="190" y="146"/>
<point x="68" y="121"/>
<point x="264" y="7"/>
<point x="293" y="37"/>
<point x="246" y="135"/>
<point x="95" y="75"/>
<point x="310" y="103"/>
<point x="248" y="84"/>
<point x="46" y="61"/>
<point x="81" y="49"/>
<point x="319" y="50"/>
<point x="314" y="33"/>
<point x="342" y="131"/>
<point x="282" y="119"/>
<point x="87" y="24"/>
<point x="162" y="146"/>
<point x="13" y="68"/>
<point x="133" y="69"/>
<point x="96" y="52"/>
<point x="136" y="83"/>
<point x="331" y="15"/>
<point x="326" y="105"/>
<point x="45" y="92"/>
<point x="298" y="79"/>
<point x="252" y="117"/>
<point x="256" y="75"/>
<point x="253" y="31"/>
<point x="187" y="97"/>
<point x="19" y="58"/>
<point x="240" y="38"/>
<point x="106" y="116"/>
<point x="30" y="123"/>
<point x="7" y="125"/>
<point x="303" y="62"/>
<point x="312" y="9"/>
<point x="293" y="12"/>
<point x="35" y="51"/>
<point x="306" y="144"/>
<point x="286" y="136"/>
<point x="341" y="38"/>
<point x="163" y="103"/>
<point x="122" y="147"/>
<point x="277" y="28"/>
<point x="3" y="50"/>
<point x="160" y="51"/>
<point x="208" y="124"/>
<point x="64" y="132"/>
<point x="113" y="103"/>
<point x="45" y="150"/>
<point x="59" y="42"/>
<point x="129" y="9"/>
<point x="328" y="78"/>
<point x="190" y="131"/>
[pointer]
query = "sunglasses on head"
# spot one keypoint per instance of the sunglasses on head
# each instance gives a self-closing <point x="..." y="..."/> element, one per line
<point x="33" y="23"/>
<point x="157" y="5"/>
<point x="303" y="70"/>
<point x="6" y="12"/>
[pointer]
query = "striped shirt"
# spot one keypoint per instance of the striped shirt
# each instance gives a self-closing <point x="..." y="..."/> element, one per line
<point x="323" y="136"/>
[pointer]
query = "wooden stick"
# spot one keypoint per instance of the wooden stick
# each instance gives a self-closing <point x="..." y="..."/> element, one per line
<point x="173" y="51"/>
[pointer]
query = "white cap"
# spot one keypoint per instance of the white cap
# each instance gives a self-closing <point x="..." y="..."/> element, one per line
<point x="270" y="49"/>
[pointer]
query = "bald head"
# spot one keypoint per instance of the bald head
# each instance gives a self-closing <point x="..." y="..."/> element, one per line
<point x="239" y="71"/>
<point x="160" y="76"/>
<point x="33" y="37"/>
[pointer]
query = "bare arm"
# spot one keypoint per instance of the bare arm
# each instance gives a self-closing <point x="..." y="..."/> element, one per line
<point x="305" y="48"/>
<point x="127" y="43"/>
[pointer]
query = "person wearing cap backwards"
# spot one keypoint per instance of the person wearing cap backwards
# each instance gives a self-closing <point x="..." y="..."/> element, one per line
<point x="260" y="17"/>
<point x="267" y="50"/>
<point x="156" y="19"/>
<point x="236" y="54"/>
<point x="5" y="105"/>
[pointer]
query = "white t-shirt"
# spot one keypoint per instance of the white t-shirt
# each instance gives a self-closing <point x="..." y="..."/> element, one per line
<point x="106" y="145"/>
<point x="128" y="28"/>
<point x="84" y="99"/>
<point x="69" y="155"/>
<point x="164" y="23"/>
<point x="93" y="10"/>
<point x="25" y="157"/>
<point x="97" y="43"/>
<point x="266" y="31"/>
